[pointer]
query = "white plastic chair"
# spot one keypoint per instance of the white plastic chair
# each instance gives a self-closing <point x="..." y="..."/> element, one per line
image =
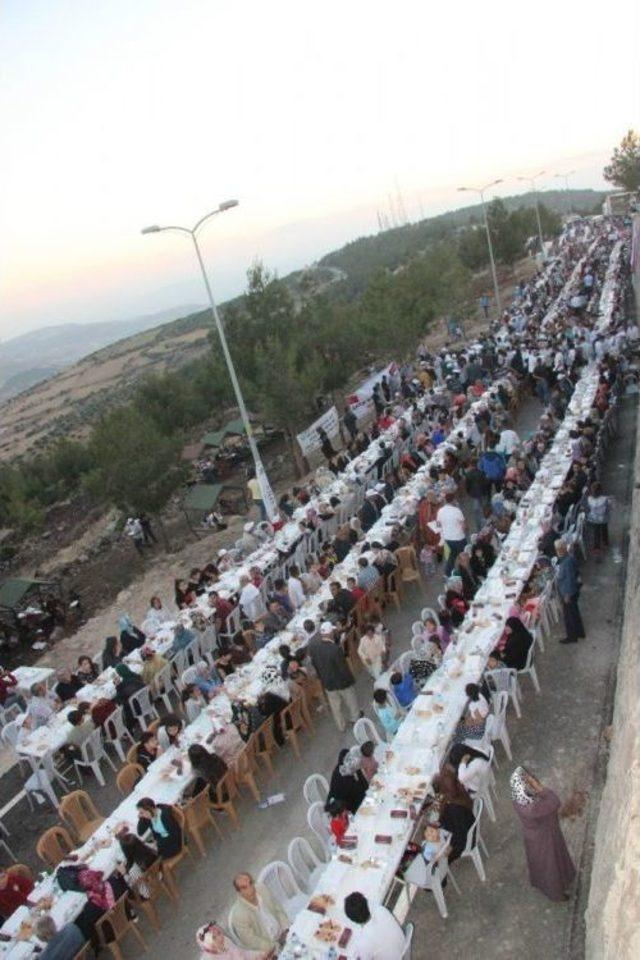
<point x="163" y="686"/>
<point x="278" y="878"/>
<point x="142" y="708"/>
<point x="475" y="841"/>
<point x="9" y="736"/>
<point x="39" y="785"/>
<point x="417" y="628"/>
<point x="497" y="729"/>
<point x="305" y="863"/>
<point x="319" y="825"/>
<point x="115" y="732"/>
<point x="403" y="662"/>
<point x="529" y="669"/>
<point x="433" y="877"/>
<point x="442" y="603"/>
<point x="92" y="751"/>
<point x="408" y="940"/>
<point x="208" y="641"/>
<point x="365" y="729"/>
<point x="316" y="788"/>
<point x="506" y="679"/>
<point x="9" y="714"/>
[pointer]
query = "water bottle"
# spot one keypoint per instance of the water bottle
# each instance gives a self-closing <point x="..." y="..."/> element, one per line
<point x="332" y="954"/>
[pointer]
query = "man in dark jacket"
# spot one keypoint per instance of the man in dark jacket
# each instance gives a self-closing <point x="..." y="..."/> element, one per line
<point x="342" y="601"/>
<point x="335" y="675"/>
<point x="476" y="485"/>
<point x="569" y="590"/>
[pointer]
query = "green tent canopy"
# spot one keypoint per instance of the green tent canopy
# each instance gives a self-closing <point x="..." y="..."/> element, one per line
<point x="14" y="590"/>
<point x="217" y="437"/>
<point x="203" y="497"/>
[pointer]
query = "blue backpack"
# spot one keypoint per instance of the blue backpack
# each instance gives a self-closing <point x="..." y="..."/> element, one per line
<point x="493" y="465"/>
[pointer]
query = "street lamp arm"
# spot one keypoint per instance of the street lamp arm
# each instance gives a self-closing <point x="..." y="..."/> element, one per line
<point x="163" y="229"/>
<point x="204" y="219"/>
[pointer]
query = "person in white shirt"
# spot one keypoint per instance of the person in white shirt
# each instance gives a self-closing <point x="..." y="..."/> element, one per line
<point x="508" y="442"/>
<point x="452" y="524"/>
<point x="40" y="708"/>
<point x="471" y="766"/>
<point x="251" y="602"/>
<point x="378" y="935"/>
<point x="295" y="588"/>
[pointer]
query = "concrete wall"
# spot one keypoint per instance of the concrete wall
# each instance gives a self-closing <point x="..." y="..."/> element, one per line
<point x="613" y="913"/>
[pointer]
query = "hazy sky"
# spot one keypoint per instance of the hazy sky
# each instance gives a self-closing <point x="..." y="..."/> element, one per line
<point x="120" y="113"/>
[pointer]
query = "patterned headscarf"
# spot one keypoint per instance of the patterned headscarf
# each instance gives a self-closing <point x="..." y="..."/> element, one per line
<point x="520" y="792"/>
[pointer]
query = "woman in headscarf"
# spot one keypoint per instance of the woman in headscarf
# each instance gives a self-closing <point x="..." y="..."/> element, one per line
<point x="213" y="942"/>
<point x="472" y="724"/>
<point x="517" y="643"/>
<point x="130" y="637"/>
<point x="456" y="809"/>
<point x="551" y="869"/>
<point x="348" y="783"/>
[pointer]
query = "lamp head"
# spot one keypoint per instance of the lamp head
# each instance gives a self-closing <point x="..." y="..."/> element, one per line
<point x="154" y="229"/>
<point x="228" y="205"/>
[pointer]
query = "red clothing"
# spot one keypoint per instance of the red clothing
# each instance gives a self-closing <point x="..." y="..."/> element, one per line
<point x="223" y="608"/>
<point x="7" y="681"/>
<point x="385" y="422"/>
<point x="15" y="894"/>
<point x="357" y="593"/>
<point x="339" y="825"/>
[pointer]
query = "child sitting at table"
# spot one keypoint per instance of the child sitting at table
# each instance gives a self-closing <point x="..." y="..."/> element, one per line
<point x="403" y="688"/>
<point x="339" y="819"/>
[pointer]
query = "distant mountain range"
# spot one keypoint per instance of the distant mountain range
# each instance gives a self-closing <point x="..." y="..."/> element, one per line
<point x="32" y="357"/>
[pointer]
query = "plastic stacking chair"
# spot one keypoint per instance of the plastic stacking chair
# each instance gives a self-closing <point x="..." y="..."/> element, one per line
<point x="278" y="878"/>
<point x="505" y="679"/>
<point x="266" y="746"/>
<point x="92" y="751"/>
<point x="408" y="940"/>
<point x="315" y="789"/>
<point x="529" y="669"/>
<point x="128" y="777"/>
<point x="497" y="729"/>
<point x="197" y="816"/>
<point x="53" y="846"/>
<point x="225" y="793"/>
<point x="169" y="866"/>
<point x="365" y="729"/>
<point x="78" y="812"/>
<point x="293" y="722"/>
<point x="114" y="926"/>
<point x="142" y="708"/>
<point x="475" y="841"/>
<point x="408" y="567"/>
<point x="154" y="885"/>
<point x="245" y="768"/>
<point x="115" y="732"/>
<point x="163" y="687"/>
<point x="305" y="863"/>
<point x="319" y="824"/>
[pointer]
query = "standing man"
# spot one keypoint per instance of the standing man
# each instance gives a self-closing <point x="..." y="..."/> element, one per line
<point x="350" y="421"/>
<point x="475" y="484"/>
<point x="335" y="675"/>
<point x="255" y="493"/>
<point x="453" y="526"/>
<point x="568" y="581"/>
<point x="133" y="529"/>
<point x="484" y="305"/>
<point x="147" y="529"/>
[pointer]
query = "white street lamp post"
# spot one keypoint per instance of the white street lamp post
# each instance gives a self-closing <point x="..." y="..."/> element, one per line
<point x="267" y="493"/>
<point x="480" y="191"/>
<point x="565" y="177"/>
<point x="534" y="190"/>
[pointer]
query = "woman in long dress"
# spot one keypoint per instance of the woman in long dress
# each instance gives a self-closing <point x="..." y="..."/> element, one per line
<point x="551" y="868"/>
